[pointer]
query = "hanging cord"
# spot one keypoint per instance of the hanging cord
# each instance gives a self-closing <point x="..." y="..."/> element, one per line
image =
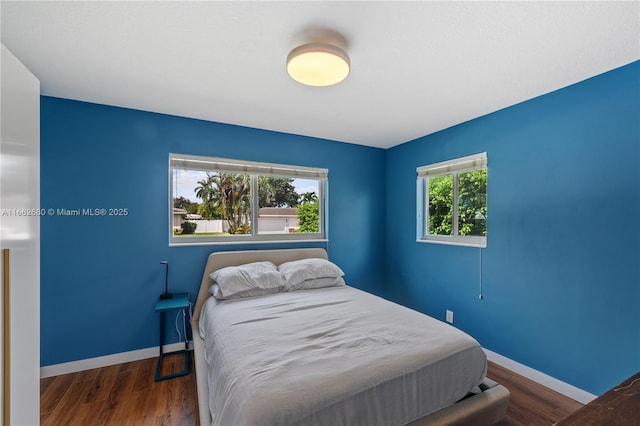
<point x="480" y="295"/>
<point x="190" y="321"/>
<point x="184" y="315"/>
<point x="177" y="328"/>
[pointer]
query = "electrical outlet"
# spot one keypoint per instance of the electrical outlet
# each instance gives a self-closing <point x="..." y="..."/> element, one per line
<point x="449" y="316"/>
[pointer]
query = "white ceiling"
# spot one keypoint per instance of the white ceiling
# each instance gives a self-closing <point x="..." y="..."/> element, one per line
<point x="417" y="67"/>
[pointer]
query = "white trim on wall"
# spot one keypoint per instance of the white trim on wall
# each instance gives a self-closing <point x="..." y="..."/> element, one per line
<point x="559" y="386"/>
<point x="107" y="360"/>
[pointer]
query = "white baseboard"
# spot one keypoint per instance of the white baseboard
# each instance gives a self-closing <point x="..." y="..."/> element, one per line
<point x="119" y="358"/>
<point x="107" y="360"/>
<point x="566" y="389"/>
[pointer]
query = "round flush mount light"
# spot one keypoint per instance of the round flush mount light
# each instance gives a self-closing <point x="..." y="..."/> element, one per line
<point x="318" y="64"/>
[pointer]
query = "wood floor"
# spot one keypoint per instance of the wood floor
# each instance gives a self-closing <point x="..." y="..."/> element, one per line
<point x="123" y="394"/>
<point x="531" y="403"/>
<point x="126" y="394"/>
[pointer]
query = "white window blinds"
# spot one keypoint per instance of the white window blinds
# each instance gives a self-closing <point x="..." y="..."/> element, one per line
<point x="191" y="162"/>
<point x="463" y="164"/>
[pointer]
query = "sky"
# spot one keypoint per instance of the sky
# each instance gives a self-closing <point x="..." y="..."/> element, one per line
<point x="184" y="182"/>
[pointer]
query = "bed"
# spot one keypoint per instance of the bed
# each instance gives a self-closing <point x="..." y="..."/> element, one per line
<point x="330" y="354"/>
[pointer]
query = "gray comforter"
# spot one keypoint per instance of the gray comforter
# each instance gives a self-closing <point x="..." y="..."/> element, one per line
<point x="332" y="356"/>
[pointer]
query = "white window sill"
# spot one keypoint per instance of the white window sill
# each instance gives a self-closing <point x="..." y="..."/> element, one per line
<point x="245" y="242"/>
<point x="455" y="241"/>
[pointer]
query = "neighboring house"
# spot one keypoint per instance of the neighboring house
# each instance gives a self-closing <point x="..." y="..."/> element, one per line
<point x="277" y="220"/>
<point x="179" y="216"/>
<point x="271" y="220"/>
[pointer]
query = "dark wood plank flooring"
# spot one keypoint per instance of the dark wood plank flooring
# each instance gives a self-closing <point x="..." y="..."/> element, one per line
<point x="126" y="394"/>
<point x="531" y="403"/>
<point x="123" y="394"/>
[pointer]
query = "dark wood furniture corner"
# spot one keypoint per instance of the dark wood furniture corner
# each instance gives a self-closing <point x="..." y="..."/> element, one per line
<point x="618" y="406"/>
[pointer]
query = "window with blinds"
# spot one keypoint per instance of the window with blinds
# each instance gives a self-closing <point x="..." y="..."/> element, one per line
<point x="452" y="201"/>
<point x="220" y="200"/>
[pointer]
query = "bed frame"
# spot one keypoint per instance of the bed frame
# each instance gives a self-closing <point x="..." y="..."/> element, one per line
<point x="485" y="408"/>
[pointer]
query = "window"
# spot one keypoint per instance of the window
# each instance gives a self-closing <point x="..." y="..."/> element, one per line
<point x="452" y="201"/>
<point x="218" y="200"/>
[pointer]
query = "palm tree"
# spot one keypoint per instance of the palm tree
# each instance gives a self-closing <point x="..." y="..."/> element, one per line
<point x="228" y="196"/>
<point x="236" y="201"/>
<point x="208" y="191"/>
<point x="308" y="197"/>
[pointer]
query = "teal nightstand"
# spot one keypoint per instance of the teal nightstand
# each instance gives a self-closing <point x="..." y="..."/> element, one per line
<point x="176" y="301"/>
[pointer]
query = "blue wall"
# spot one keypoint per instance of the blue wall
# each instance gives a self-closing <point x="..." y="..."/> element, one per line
<point x="101" y="276"/>
<point x="560" y="274"/>
<point x="561" y="271"/>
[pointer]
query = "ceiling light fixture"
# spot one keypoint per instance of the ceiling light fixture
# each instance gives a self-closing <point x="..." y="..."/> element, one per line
<point x="318" y="64"/>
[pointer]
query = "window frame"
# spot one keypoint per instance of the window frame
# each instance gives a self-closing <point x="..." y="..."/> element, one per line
<point x="254" y="170"/>
<point x="454" y="167"/>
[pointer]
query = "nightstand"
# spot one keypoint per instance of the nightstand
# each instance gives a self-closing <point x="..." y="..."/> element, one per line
<point x="618" y="406"/>
<point x="176" y="301"/>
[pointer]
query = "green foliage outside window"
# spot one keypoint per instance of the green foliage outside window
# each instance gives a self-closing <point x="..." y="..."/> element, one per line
<point x="276" y="192"/>
<point x="188" y="227"/>
<point x="183" y="203"/>
<point x="309" y="213"/>
<point x="472" y="204"/>
<point x="257" y="201"/>
<point x="441" y="205"/>
<point x="229" y="196"/>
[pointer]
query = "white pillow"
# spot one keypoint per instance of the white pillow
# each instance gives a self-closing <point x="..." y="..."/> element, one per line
<point x="247" y="279"/>
<point x="217" y="293"/>
<point x="317" y="283"/>
<point x="298" y="271"/>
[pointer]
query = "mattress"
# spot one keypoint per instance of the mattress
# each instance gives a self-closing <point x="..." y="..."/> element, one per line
<point x="334" y="355"/>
